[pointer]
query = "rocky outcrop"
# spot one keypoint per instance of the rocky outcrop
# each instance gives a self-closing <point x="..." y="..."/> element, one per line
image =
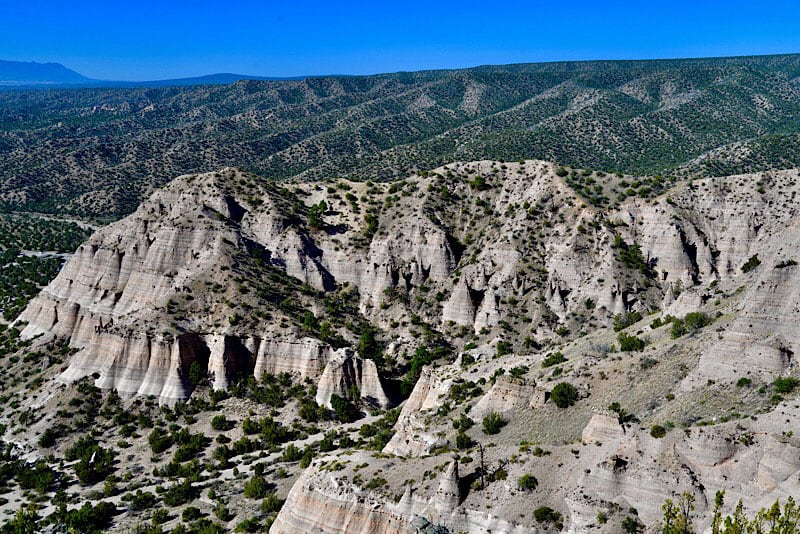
<point x="603" y="428"/>
<point x="412" y="252"/>
<point x="203" y="279"/>
<point x="320" y="503"/>
<point x="115" y="299"/>
<point x="460" y="307"/>
<point x="139" y="365"/>
<point x="448" y="495"/>
<point x="305" y="356"/>
<point x="346" y="375"/>
<point x="411" y="437"/>
<point x="505" y="395"/>
<point x="763" y="339"/>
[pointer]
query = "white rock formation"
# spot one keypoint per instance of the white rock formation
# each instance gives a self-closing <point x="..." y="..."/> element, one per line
<point x="345" y="373"/>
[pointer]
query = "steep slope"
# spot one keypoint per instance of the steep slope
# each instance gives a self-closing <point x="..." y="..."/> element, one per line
<point x="136" y="297"/>
<point x="617" y="355"/>
<point x="699" y="242"/>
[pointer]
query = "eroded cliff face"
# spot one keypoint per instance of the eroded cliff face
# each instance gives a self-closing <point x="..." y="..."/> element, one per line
<point x="172" y="270"/>
<point x="148" y="296"/>
<point x="322" y="502"/>
<point x="587" y="459"/>
<point x="353" y="378"/>
<point x="517" y="257"/>
<point x="227" y="275"/>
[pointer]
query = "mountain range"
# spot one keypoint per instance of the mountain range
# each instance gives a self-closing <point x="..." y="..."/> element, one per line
<point x="102" y="150"/>
<point x="30" y="74"/>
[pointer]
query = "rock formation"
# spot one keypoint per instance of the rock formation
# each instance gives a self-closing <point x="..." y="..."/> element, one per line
<point x="411" y="437"/>
<point x="506" y="394"/>
<point x="345" y="374"/>
<point x="217" y="279"/>
<point x="603" y="428"/>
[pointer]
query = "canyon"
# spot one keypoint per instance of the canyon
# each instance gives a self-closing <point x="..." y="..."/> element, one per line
<point x="486" y="285"/>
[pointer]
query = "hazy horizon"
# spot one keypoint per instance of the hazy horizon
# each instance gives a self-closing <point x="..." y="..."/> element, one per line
<point x="145" y="40"/>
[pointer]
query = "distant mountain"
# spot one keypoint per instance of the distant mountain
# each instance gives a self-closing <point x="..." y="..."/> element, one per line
<point x="222" y="78"/>
<point x="33" y="73"/>
<point x="30" y="74"/>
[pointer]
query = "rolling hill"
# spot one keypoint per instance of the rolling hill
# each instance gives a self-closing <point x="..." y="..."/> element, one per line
<point x="100" y="151"/>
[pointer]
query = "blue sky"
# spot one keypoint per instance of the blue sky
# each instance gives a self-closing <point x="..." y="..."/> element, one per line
<point x="141" y="40"/>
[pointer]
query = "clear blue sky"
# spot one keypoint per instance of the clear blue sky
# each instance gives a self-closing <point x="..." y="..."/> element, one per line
<point x="141" y="40"/>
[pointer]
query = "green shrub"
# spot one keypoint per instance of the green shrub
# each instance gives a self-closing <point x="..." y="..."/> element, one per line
<point x="751" y="264"/>
<point x="631" y="256"/>
<point x="141" y="500"/>
<point x="553" y="359"/>
<point x="222" y="513"/>
<point x="527" y="482"/>
<point x="38" y="476"/>
<point x="180" y="493"/>
<point x="500" y="474"/>
<point x="743" y="382"/>
<point x="479" y="184"/>
<point x="678" y="328"/>
<point x="257" y="487"/>
<point x="545" y="514"/>
<point x="564" y="395"/>
<point x="271" y="504"/>
<point x="375" y="483"/>
<point x="463" y="441"/>
<point x="87" y="519"/>
<point x="160" y="516"/>
<point x="291" y="453"/>
<point x="503" y="348"/>
<point x="786" y="384"/>
<point x="251" y="524"/>
<point x="316" y="213"/>
<point x="95" y="463"/>
<point x="191" y="513"/>
<point x="519" y="371"/>
<point x="463" y="423"/>
<point x="345" y="410"/>
<point x="159" y="440"/>
<point x="632" y="525"/>
<point x="221" y="423"/>
<point x="658" y="431"/>
<point x="191" y="445"/>
<point x="624" y="320"/>
<point x="308" y="456"/>
<point x="697" y="320"/>
<point x="493" y="422"/>
<point x="48" y="438"/>
<point x="628" y="343"/>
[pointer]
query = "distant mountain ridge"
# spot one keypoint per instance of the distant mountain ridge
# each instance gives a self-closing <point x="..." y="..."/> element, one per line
<point x="31" y="72"/>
